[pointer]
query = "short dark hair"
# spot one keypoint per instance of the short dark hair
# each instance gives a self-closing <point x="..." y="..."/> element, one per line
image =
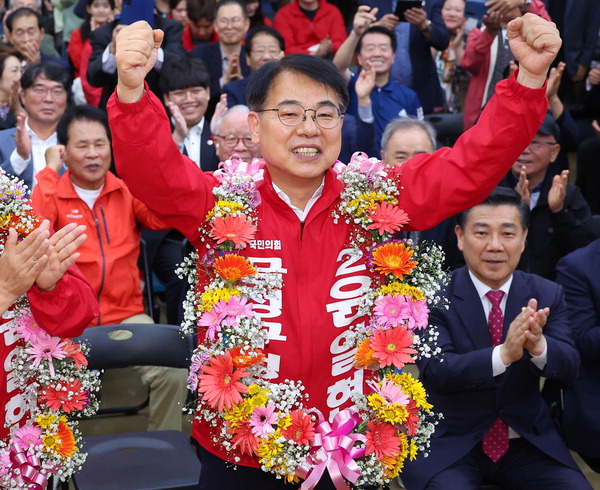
<point x="47" y="69"/>
<point x="498" y="197"/>
<point x="197" y="11"/>
<point x="22" y="12"/>
<point x="377" y="30"/>
<point x="240" y="3"/>
<point x="314" y="67"/>
<point x="5" y="53"/>
<point x="263" y="30"/>
<point x="182" y="73"/>
<point x="80" y="113"/>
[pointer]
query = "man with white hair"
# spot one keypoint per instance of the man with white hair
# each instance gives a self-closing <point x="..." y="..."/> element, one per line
<point x="232" y="135"/>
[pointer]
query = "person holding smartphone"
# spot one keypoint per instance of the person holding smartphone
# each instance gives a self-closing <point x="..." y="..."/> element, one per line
<point x="421" y="29"/>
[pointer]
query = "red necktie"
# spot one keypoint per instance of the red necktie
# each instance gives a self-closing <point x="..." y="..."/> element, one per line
<point x="495" y="442"/>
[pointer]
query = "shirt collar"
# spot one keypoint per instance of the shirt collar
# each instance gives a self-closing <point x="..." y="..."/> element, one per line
<point x="482" y="289"/>
<point x="301" y="213"/>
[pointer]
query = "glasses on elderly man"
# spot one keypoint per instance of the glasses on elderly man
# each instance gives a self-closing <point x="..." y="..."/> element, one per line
<point x="231" y="140"/>
<point x="326" y="116"/>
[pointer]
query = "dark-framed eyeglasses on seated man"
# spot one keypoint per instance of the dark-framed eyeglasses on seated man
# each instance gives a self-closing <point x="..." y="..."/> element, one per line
<point x="231" y="140"/>
<point x="292" y="114"/>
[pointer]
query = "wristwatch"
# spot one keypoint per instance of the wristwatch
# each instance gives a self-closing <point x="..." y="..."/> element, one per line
<point x="428" y="27"/>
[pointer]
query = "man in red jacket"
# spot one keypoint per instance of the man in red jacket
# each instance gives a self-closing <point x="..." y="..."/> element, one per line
<point x="308" y="320"/>
<point x="89" y="194"/>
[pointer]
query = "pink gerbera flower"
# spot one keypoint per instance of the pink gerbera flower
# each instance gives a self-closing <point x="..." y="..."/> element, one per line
<point x="393" y="347"/>
<point x="419" y="314"/>
<point x="390" y="391"/>
<point x="46" y="349"/>
<point x="29" y="329"/>
<point x="232" y="310"/>
<point x="262" y="420"/>
<point x="391" y="310"/>
<point x="212" y="319"/>
<point x="236" y="228"/>
<point x="28" y="435"/>
<point x="387" y="218"/>
<point x="220" y="383"/>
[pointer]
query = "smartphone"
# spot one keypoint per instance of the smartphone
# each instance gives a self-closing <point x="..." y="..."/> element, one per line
<point x="403" y="5"/>
<point x="475" y="9"/>
<point x="134" y="10"/>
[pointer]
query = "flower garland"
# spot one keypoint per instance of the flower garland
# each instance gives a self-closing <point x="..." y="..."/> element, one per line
<point x="49" y="371"/>
<point x="366" y="444"/>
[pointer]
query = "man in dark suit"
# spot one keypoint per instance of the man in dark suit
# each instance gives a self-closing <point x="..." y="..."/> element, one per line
<point x="503" y="330"/>
<point x="102" y="70"/>
<point x="579" y="274"/>
<point x="185" y="88"/>
<point x="225" y="60"/>
<point x="413" y="66"/>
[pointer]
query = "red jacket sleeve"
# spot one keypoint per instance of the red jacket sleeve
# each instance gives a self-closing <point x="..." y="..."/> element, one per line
<point x="451" y="180"/>
<point x="178" y="193"/>
<point x="68" y="308"/>
<point x="75" y="50"/>
<point x="337" y="30"/>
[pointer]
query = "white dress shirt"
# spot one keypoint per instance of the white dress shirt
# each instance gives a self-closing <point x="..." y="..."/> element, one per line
<point x="38" y="151"/>
<point x="301" y="213"/>
<point x="193" y="142"/>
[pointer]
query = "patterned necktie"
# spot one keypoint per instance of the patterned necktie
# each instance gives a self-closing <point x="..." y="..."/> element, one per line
<point x="495" y="442"/>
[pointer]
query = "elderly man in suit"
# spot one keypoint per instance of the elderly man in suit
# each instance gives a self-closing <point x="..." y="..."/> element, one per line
<point x="503" y="330"/>
<point x="578" y="273"/>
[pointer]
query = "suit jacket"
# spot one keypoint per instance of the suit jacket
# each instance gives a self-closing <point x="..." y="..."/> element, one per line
<point x="554" y="235"/>
<point x="101" y="37"/>
<point x="464" y="390"/>
<point x="579" y="274"/>
<point x="210" y="54"/>
<point x="236" y="91"/>
<point x="425" y="80"/>
<point x="7" y="146"/>
<point x="209" y="160"/>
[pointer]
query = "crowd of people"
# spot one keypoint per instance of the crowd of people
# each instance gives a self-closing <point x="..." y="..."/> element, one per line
<point x="89" y="96"/>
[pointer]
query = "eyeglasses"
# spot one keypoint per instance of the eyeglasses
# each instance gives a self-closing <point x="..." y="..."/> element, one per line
<point x="536" y="145"/>
<point x="262" y="51"/>
<point x="234" y="21"/>
<point x="41" y="91"/>
<point x="326" y="117"/>
<point x="231" y="140"/>
<point x="195" y="92"/>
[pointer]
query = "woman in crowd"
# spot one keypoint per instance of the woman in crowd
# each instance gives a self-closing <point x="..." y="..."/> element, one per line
<point x="10" y="74"/>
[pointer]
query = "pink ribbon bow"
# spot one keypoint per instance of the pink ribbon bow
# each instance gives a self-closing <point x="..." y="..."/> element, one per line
<point x="29" y="465"/>
<point x="333" y="449"/>
<point x="235" y="165"/>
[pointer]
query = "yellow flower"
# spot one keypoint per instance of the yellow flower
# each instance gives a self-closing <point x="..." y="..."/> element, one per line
<point x="375" y="401"/>
<point x="236" y="414"/>
<point x="393" y="413"/>
<point x="367" y="202"/>
<point x="212" y="297"/>
<point x="47" y="420"/>
<point x="224" y="207"/>
<point x="284" y="422"/>
<point x="50" y="441"/>
<point x="269" y="449"/>
<point x="5" y="220"/>
<point x="412" y="450"/>
<point x="397" y="288"/>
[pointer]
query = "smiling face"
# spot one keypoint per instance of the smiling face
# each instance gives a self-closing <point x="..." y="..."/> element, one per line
<point x="101" y="12"/>
<point x="45" y="100"/>
<point x="453" y="13"/>
<point x="492" y="242"/>
<point x="231" y="24"/>
<point x="265" y="48"/>
<point x="10" y="74"/>
<point x="87" y="153"/>
<point x="404" y="144"/>
<point x="535" y="159"/>
<point x="192" y="103"/>
<point x="298" y="156"/>
<point x="235" y="137"/>
<point x="376" y="48"/>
